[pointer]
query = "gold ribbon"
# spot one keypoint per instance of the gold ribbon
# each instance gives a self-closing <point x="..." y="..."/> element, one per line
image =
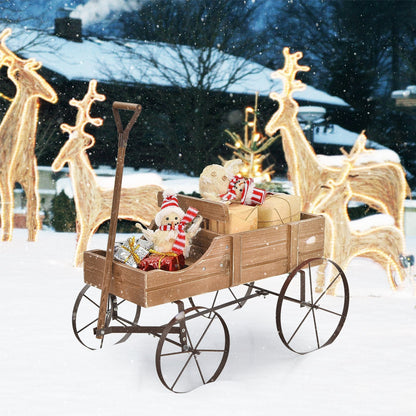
<point x="165" y="254"/>
<point x="132" y="250"/>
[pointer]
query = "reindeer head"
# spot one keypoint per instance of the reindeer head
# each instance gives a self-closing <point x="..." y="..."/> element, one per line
<point x="288" y="107"/>
<point x="22" y="72"/>
<point x="335" y="192"/>
<point x="79" y="140"/>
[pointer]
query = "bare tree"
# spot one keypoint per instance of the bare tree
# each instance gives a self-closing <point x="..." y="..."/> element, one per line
<point x="207" y="48"/>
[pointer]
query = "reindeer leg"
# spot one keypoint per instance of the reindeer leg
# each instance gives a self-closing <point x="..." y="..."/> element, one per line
<point x="7" y="206"/>
<point x="31" y="190"/>
<point x="82" y="244"/>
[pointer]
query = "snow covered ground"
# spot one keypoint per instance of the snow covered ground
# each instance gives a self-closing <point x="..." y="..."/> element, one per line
<point x="369" y="370"/>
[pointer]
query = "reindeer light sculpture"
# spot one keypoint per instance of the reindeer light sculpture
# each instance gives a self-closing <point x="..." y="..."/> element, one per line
<point x="380" y="240"/>
<point x="381" y="185"/>
<point x="18" y="138"/>
<point x="92" y="202"/>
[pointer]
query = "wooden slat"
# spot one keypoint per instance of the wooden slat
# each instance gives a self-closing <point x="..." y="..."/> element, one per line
<point x="293" y="244"/>
<point x="236" y="260"/>
<point x="262" y="271"/>
<point x="208" y="209"/>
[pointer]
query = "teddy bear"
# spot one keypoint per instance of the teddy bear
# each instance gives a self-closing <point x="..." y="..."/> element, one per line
<point x="214" y="179"/>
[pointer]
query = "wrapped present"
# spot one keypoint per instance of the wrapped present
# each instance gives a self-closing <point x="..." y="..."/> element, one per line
<point x="240" y="218"/>
<point x="132" y="251"/>
<point x="278" y="209"/>
<point x="164" y="261"/>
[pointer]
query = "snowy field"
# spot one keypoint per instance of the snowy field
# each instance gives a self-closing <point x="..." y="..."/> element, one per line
<point x="369" y="370"/>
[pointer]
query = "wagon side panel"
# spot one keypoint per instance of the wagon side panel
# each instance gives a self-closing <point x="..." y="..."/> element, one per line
<point x="209" y="273"/>
<point x="126" y="282"/>
<point x="308" y="238"/>
<point x="261" y="253"/>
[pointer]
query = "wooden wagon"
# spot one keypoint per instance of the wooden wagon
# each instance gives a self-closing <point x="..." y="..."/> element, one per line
<point x="193" y="346"/>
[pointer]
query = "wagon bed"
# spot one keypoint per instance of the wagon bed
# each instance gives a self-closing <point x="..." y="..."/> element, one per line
<point x="217" y="261"/>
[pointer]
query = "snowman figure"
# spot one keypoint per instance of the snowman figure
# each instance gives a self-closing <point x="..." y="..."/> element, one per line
<point x="175" y="227"/>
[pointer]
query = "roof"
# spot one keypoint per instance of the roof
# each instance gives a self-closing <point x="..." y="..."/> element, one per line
<point x="119" y="60"/>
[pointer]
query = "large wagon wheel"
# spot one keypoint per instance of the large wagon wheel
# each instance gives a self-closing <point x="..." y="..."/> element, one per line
<point x="230" y="294"/>
<point x="85" y="316"/>
<point x="192" y="352"/>
<point x="308" y="319"/>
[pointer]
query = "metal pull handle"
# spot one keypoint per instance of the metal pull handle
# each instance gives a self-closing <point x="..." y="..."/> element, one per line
<point x="123" y="133"/>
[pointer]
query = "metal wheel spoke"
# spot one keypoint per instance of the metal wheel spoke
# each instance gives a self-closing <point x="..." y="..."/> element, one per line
<point x="203" y="334"/>
<point x="301" y="323"/>
<point x="88" y="325"/>
<point x="313" y="309"/>
<point x="167" y="354"/>
<point x="94" y="303"/>
<point x="215" y="299"/>
<point x="181" y="372"/>
<point x="199" y="369"/>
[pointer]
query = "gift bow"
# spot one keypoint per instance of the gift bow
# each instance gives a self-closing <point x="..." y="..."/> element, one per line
<point x="179" y="244"/>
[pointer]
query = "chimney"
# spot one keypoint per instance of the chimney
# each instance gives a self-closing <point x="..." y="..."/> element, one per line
<point x="68" y="27"/>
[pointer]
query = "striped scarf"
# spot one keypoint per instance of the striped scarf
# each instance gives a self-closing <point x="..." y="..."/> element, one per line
<point x="230" y="194"/>
<point x="252" y="195"/>
<point x="179" y="244"/>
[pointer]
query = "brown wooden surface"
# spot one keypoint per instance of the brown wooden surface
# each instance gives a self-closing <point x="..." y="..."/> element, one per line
<point x="216" y="262"/>
<point x="210" y="210"/>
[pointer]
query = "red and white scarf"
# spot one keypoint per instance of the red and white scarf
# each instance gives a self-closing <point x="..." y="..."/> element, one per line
<point x="230" y="194"/>
<point x="179" y="244"/>
<point x="252" y="195"/>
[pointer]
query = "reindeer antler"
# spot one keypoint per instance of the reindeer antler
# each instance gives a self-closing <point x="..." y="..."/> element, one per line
<point x="4" y="50"/>
<point x="288" y="73"/>
<point x="84" y="108"/>
<point x="287" y="105"/>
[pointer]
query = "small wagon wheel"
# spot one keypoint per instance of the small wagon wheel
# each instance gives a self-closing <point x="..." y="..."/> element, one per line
<point x="307" y="317"/>
<point x="85" y="316"/>
<point x="226" y="295"/>
<point x="191" y="353"/>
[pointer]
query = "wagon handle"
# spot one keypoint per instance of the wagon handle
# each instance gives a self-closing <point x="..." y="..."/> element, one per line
<point x="123" y="135"/>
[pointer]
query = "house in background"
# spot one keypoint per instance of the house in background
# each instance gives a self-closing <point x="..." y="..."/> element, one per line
<point x="70" y="61"/>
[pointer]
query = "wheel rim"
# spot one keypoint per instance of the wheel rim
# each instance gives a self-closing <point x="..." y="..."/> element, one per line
<point x="85" y="317"/>
<point x="200" y="358"/>
<point x="226" y="295"/>
<point x="308" y="320"/>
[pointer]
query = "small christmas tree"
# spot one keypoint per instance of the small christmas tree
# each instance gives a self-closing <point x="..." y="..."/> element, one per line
<point x="250" y="149"/>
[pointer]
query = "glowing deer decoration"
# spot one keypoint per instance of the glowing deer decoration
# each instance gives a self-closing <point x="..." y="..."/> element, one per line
<point x="381" y="185"/>
<point x="379" y="240"/>
<point x="18" y="138"/>
<point x="92" y="202"/>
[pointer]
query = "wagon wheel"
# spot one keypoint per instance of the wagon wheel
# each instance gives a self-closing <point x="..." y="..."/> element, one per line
<point x="192" y="351"/>
<point x="226" y="295"/>
<point x="85" y="316"/>
<point x="309" y="318"/>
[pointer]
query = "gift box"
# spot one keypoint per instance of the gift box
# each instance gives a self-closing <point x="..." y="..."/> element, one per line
<point x="132" y="251"/>
<point x="164" y="261"/>
<point x="278" y="209"/>
<point x="240" y="218"/>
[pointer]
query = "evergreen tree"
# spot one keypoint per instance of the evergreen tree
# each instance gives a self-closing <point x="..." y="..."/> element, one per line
<point x="63" y="213"/>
